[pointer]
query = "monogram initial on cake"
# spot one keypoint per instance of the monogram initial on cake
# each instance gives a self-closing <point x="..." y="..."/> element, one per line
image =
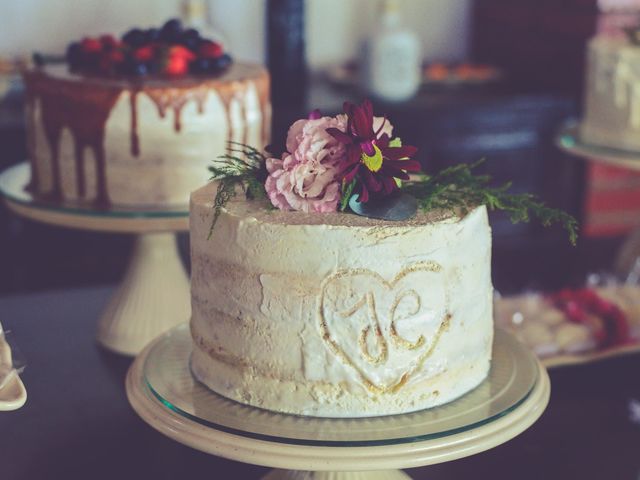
<point x="385" y="329"/>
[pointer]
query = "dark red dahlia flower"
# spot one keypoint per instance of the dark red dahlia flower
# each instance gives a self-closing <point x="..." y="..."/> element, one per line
<point x="376" y="162"/>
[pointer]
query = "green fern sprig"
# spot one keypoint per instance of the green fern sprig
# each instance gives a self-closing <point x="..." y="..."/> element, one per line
<point x="459" y="188"/>
<point x="241" y="167"/>
<point x="346" y="192"/>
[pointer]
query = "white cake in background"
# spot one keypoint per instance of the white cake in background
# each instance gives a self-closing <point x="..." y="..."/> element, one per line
<point x="336" y="315"/>
<point x="618" y="5"/>
<point x="135" y="143"/>
<point x="612" y="95"/>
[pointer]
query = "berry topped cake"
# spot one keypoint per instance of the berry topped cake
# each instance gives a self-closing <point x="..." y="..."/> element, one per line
<point x="134" y="121"/>
<point x="328" y="282"/>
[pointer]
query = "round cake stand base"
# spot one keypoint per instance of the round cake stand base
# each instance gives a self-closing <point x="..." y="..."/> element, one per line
<point x="152" y="298"/>
<point x="327" y="462"/>
<point x="280" y="474"/>
<point x="154" y="294"/>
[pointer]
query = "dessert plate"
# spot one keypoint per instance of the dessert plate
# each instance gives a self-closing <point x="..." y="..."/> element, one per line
<point x="555" y="339"/>
<point x="13" y="395"/>
<point x="588" y="357"/>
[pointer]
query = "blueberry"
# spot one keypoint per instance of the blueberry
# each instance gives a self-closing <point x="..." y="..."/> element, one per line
<point x="173" y="24"/>
<point x="201" y="65"/>
<point x="152" y="35"/>
<point x="140" y="69"/>
<point x="152" y="67"/>
<point x="135" y="68"/>
<point x="90" y="62"/>
<point x="222" y="62"/>
<point x="74" y="54"/>
<point x="190" y="33"/>
<point x="134" y="37"/>
<point x="170" y="31"/>
<point x="190" y="38"/>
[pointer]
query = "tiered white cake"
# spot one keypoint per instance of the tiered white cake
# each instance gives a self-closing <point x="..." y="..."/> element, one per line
<point x="338" y="315"/>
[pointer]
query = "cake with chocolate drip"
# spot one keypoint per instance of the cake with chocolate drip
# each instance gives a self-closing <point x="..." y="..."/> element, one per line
<point x="137" y="124"/>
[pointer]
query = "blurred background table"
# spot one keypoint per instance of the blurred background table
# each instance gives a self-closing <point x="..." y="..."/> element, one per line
<point x="77" y="422"/>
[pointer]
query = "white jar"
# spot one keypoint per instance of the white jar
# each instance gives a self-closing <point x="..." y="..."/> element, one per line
<point x="392" y="57"/>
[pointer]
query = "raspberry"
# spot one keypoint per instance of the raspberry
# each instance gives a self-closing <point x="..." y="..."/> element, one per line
<point x="144" y="54"/>
<point x="210" y="49"/>
<point x="91" y="45"/>
<point x="176" y="65"/>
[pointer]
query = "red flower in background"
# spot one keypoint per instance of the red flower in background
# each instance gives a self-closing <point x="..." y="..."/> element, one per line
<point x="374" y="160"/>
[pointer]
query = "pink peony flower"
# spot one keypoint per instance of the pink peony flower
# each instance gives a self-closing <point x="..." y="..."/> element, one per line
<point x="306" y="178"/>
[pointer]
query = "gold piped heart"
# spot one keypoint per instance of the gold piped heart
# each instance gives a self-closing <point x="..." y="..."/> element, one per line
<point x="384" y="330"/>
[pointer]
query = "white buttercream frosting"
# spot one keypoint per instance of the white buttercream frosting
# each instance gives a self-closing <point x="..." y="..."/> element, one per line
<point x="339" y="315"/>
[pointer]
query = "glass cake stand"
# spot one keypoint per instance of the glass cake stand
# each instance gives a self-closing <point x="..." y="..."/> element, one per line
<point x="162" y="391"/>
<point x="568" y="139"/>
<point x="154" y="294"/>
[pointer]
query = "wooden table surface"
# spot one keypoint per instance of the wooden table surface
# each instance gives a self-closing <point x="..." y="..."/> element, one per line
<point x="77" y="423"/>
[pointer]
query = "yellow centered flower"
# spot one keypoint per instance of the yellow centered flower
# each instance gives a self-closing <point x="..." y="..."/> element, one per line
<point x="373" y="162"/>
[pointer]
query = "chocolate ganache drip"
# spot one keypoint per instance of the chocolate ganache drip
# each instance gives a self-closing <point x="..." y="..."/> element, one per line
<point x="83" y="106"/>
<point x="83" y="109"/>
<point x="175" y="99"/>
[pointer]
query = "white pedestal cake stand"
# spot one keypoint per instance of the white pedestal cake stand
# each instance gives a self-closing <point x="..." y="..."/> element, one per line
<point x="154" y="294"/>
<point x="568" y="139"/>
<point x="162" y="391"/>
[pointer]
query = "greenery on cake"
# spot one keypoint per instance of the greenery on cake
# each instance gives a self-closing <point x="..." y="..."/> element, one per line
<point x="352" y="162"/>
<point x="241" y="168"/>
<point x="170" y="50"/>
<point x="459" y="188"/>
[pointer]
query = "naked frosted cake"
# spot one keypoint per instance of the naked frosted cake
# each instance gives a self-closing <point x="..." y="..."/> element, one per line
<point x="337" y="315"/>
<point x="328" y="282"/>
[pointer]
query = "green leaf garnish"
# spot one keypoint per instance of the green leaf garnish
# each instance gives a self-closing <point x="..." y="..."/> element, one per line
<point x="458" y="188"/>
<point x="347" y="192"/>
<point x="240" y="167"/>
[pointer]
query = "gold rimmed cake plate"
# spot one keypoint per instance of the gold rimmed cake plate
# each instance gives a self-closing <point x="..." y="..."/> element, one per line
<point x="569" y="140"/>
<point x="163" y="392"/>
<point x="154" y="293"/>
